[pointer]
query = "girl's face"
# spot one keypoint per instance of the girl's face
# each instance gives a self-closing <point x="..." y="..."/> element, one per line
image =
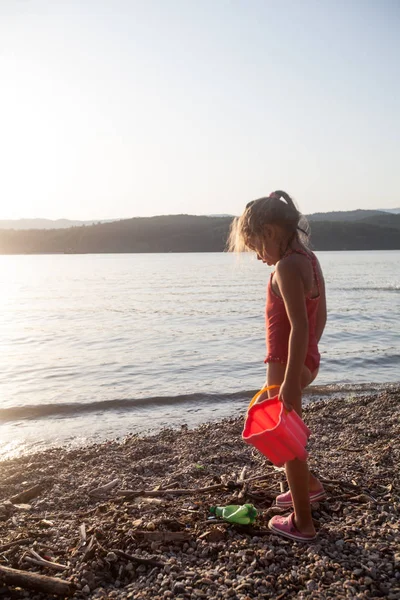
<point x="267" y="249"/>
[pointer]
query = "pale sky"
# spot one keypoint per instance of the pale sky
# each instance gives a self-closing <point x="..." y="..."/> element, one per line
<point x="121" y="108"/>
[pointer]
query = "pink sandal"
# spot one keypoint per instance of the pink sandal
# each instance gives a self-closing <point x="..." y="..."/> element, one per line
<point x="286" y="501"/>
<point x="285" y="527"/>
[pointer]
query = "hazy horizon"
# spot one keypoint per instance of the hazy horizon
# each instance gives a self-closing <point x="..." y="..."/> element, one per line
<point x="140" y="109"/>
<point x="395" y="210"/>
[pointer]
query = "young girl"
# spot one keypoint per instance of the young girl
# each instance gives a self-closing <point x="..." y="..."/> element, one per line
<point x="295" y="321"/>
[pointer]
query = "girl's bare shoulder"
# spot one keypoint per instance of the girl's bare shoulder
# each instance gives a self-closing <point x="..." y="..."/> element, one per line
<point x="292" y="264"/>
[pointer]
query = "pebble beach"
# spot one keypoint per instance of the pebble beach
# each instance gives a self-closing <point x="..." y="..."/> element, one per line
<point x="130" y="518"/>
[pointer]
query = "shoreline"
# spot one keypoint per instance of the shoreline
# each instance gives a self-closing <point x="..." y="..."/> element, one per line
<point x="211" y="407"/>
<point x="69" y="522"/>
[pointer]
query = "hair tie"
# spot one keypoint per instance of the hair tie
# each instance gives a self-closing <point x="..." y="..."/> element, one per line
<point x="303" y="231"/>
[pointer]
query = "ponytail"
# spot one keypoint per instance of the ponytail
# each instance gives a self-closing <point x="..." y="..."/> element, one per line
<point x="276" y="209"/>
<point x="279" y="194"/>
<point x="302" y="223"/>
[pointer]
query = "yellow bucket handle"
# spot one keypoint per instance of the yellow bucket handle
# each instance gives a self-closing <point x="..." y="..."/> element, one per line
<point x="266" y="389"/>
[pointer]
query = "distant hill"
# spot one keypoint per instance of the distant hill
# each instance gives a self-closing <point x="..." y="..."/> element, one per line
<point x="188" y="233"/>
<point x="384" y="220"/>
<point x="45" y="223"/>
<point x="354" y="235"/>
<point x="345" y="215"/>
<point x="18" y="224"/>
<point x="177" y="233"/>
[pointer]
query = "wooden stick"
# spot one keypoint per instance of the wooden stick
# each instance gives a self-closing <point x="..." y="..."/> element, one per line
<point x="183" y="492"/>
<point x="88" y="552"/>
<point x="150" y="500"/>
<point x="27" y="495"/>
<point x="243" y="491"/>
<point x="242" y="483"/>
<point x="340" y="483"/>
<point x="258" y="478"/>
<point x="176" y="492"/>
<point x="82" y="533"/>
<point x="104" y="488"/>
<point x="18" y="542"/>
<point x="139" y="559"/>
<point x="243" y="473"/>
<point x="34" y="581"/>
<point x="49" y="547"/>
<point x="38" y="560"/>
<point x="126" y="494"/>
<point x="44" y="563"/>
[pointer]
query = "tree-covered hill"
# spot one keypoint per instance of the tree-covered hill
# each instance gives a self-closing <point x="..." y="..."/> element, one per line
<point x="188" y="233"/>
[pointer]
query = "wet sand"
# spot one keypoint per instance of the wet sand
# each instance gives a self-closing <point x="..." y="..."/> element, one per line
<point x="155" y="502"/>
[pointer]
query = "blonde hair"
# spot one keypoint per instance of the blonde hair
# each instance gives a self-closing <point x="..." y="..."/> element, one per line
<point x="276" y="209"/>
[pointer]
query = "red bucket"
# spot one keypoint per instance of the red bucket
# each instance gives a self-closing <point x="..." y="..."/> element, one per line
<point x="278" y="434"/>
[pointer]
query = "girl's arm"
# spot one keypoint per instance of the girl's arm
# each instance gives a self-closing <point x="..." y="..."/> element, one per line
<point x="291" y="285"/>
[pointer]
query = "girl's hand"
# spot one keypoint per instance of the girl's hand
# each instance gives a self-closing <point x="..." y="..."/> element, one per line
<point x="290" y="395"/>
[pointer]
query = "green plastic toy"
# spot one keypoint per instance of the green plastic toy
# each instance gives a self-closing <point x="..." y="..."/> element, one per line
<point x="244" y="514"/>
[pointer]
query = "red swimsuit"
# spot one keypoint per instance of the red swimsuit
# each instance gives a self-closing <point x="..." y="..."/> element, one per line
<point x="278" y="327"/>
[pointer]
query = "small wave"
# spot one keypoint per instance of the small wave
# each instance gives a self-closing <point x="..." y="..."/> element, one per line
<point x="39" y="411"/>
<point x="42" y="411"/>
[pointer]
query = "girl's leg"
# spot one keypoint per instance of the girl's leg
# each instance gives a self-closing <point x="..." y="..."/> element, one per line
<point x="298" y="476"/>
<point x="297" y="471"/>
<point x="275" y="376"/>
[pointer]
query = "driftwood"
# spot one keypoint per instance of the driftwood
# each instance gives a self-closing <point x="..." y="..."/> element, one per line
<point x="46" y="546"/>
<point x="27" y="495"/>
<point x="339" y="483"/>
<point x="33" y="581"/>
<point x="82" y="533"/>
<point x="148" y="500"/>
<point x="89" y="549"/>
<point x="352" y="488"/>
<point x="127" y="494"/>
<point x="243" y="473"/>
<point x="42" y="562"/>
<point x="244" y="484"/>
<point x="139" y="559"/>
<point x="258" y="478"/>
<point x="363" y="498"/>
<point x="177" y="492"/>
<point x="104" y="488"/>
<point x="21" y="507"/>
<point x="216" y="534"/>
<point x="18" y="542"/>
